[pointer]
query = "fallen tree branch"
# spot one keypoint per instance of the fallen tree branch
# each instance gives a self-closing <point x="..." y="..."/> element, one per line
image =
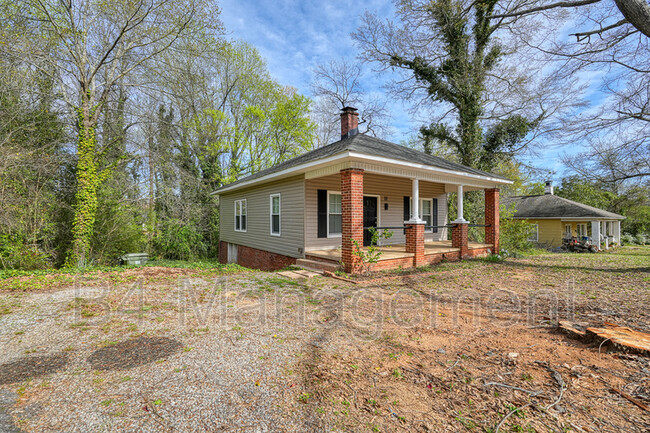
<point x="631" y="399"/>
<point x="496" y="430"/>
<point x="516" y="388"/>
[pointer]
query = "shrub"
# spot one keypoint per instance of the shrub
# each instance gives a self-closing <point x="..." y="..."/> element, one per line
<point x="178" y="240"/>
<point x="514" y="234"/>
<point x="15" y="254"/>
<point x="372" y="254"/>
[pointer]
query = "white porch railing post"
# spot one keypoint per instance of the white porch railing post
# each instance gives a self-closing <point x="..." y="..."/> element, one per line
<point x="595" y="233"/>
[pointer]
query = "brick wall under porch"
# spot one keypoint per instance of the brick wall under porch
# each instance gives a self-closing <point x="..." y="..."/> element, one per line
<point x="429" y="259"/>
<point x="256" y="259"/>
<point x="267" y="261"/>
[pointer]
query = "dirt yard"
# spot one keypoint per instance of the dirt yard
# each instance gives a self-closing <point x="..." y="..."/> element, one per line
<point x="470" y="346"/>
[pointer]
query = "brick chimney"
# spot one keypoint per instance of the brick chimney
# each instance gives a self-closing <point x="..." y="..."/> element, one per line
<point x="548" y="189"/>
<point x="349" y="122"/>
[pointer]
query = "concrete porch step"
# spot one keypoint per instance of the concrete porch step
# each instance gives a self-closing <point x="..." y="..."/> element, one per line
<point x="317" y="265"/>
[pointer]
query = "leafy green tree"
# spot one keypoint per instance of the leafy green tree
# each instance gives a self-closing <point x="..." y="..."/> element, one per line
<point x="98" y="45"/>
<point x="630" y="200"/>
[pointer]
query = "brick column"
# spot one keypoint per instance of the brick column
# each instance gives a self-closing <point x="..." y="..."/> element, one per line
<point x="492" y="218"/>
<point x="415" y="242"/>
<point x="351" y="216"/>
<point x="459" y="238"/>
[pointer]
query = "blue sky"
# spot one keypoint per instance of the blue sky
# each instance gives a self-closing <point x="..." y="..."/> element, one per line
<point x="295" y="36"/>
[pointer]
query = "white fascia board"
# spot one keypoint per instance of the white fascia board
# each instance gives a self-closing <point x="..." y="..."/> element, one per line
<point x="569" y="218"/>
<point x="291" y="170"/>
<point x="429" y="168"/>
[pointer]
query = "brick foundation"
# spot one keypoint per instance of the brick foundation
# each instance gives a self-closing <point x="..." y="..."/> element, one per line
<point x="351" y="216"/>
<point x="492" y="218"/>
<point x="256" y="259"/>
<point x="223" y="252"/>
<point x="459" y="238"/>
<point x="429" y="259"/>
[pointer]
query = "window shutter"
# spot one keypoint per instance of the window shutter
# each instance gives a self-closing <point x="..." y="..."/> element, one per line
<point x="407" y="209"/>
<point x="322" y="213"/>
<point x="434" y="214"/>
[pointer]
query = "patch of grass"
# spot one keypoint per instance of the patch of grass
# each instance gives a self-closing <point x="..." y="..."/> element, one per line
<point x="82" y="325"/>
<point x="18" y="280"/>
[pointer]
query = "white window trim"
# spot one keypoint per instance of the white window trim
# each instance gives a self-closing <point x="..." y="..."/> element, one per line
<point x="246" y="215"/>
<point x="271" y="197"/>
<point x="338" y="235"/>
<point x="430" y="200"/>
<point x="536" y="238"/>
<point x="583" y="229"/>
<point x="570" y="232"/>
<point x="334" y="235"/>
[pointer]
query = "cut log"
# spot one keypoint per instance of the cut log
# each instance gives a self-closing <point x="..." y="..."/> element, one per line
<point x="609" y="334"/>
<point x="573" y="330"/>
<point x="620" y="338"/>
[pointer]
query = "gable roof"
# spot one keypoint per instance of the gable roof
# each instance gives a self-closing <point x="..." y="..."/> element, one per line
<point x="371" y="146"/>
<point x="552" y="206"/>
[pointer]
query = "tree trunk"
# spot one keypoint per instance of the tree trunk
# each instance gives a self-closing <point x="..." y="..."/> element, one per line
<point x="87" y="181"/>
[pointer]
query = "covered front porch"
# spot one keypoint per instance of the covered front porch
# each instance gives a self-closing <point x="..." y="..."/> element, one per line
<point x="342" y="206"/>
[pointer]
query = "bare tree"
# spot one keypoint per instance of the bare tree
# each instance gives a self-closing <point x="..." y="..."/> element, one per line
<point x="609" y="40"/>
<point x="338" y="84"/>
<point x="633" y="12"/>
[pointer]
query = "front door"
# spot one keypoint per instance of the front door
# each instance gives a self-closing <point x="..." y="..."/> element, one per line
<point x="369" y="218"/>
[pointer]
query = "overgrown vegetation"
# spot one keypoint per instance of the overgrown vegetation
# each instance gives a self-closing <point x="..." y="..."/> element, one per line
<point x="116" y="148"/>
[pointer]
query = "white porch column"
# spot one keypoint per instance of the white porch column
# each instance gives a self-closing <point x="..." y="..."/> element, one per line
<point x="617" y="232"/>
<point x="595" y="233"/>
<point x="415" y="207"/>
<point x="605" y="235"/>
<point x="460" y="218"/>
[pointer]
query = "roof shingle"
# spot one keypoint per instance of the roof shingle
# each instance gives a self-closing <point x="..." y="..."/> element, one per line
<point x="552" y="206"/>
<point x="362" y="143"/>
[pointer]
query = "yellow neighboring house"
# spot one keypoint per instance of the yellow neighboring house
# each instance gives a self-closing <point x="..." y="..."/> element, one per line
<point x="556" y="218"/>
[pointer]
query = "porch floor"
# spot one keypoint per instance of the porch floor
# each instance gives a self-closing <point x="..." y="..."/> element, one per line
<point x="398" y="251"/>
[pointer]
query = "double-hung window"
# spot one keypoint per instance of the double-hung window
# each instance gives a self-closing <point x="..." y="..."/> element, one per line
<point x="240" y="215"/>
<point x="426" y="213"/>
<point x="581" y="230"/>
<point x="534" y="233"/>
<point x="275" y="214"/>
<point x="334" y="216"/>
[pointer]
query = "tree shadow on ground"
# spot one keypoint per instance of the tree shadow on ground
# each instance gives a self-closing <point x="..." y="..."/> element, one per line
<point x="631" y="269"/>
<point x="133" y="353"/>
<point x="30" y="367"/>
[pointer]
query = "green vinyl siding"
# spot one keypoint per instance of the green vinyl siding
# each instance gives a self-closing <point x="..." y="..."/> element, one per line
<point x="258" y="219"/>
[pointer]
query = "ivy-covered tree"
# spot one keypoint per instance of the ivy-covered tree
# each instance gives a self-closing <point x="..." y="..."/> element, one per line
<point x="97" y="45"/>
<point x="453" y="70"/>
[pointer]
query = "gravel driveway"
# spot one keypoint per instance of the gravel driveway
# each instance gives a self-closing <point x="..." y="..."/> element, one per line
<point x="192" y="355"/>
